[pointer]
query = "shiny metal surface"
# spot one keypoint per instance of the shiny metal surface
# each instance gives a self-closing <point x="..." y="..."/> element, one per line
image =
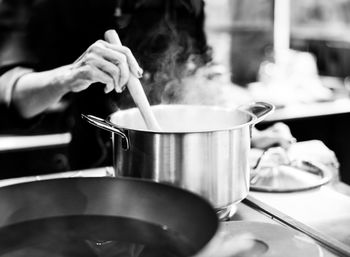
<point x="106" y="125"/>
<point x="276" y="172"/>
<point x="213" y="164"/>
<point x="203" y="149"/>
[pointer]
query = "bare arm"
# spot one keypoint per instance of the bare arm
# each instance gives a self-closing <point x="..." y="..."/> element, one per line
<point x="101" y="62"/>
<point x="35" y="92"/>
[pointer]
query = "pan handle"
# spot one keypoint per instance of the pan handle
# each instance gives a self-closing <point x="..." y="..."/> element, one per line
<point x="258" y="109"/>
<point x="109" y="126"/>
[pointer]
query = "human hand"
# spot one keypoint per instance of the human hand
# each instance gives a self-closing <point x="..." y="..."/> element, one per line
<point x="106" y="63"/>
<point x="278" y="134"/>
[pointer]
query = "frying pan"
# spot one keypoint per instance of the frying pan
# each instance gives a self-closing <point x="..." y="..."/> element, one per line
<point x="100" y="216"/>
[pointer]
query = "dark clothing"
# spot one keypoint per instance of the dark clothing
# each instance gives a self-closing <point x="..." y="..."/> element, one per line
<point x="161" y="34"/>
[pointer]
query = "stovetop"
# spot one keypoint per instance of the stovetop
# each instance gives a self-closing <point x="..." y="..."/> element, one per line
<point x="264" y="220"/>
<point x="281" y="224"/>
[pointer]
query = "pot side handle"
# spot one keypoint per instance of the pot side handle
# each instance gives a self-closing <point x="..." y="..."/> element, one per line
<point x="258" y="109"/>
<point x="109" y="126"/>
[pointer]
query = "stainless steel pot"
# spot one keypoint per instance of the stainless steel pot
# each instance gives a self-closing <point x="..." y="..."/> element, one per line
<point x="203" y="149"/>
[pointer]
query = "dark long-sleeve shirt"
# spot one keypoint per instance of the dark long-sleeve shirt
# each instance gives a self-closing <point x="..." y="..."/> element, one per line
<point x="45" y="34"/>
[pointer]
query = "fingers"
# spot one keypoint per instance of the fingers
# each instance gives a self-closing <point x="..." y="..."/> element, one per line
<point x="103" y="59"/>
<point x="115" y="44"/>
<point x="115" y="67"/>
<point x="117" y="58"/>
<point x="120" y="74"/>
<point x="131" y="60"/>
<point x="94" y="74"/>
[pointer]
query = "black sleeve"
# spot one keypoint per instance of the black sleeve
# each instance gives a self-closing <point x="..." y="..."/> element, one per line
<point x="44" y="34"/>
<point x="14" y="51"/>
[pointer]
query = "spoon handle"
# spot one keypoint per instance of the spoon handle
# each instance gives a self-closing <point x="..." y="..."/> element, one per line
<point x="136" y="90"/>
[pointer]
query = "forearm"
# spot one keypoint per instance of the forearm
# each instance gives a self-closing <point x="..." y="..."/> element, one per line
<point x="102" y="62"/>
<point x="35" y="92"/>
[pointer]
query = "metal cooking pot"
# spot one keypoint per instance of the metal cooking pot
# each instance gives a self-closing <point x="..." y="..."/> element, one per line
<point x="201" y="148"/>
<point x="102" y="217"/>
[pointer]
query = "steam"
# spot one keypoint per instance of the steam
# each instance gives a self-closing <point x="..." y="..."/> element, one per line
<point x="208" y="85"/>
<point x="178" y="57"/>
<point x="181" y="70"/>
<point x="171" y="47"/>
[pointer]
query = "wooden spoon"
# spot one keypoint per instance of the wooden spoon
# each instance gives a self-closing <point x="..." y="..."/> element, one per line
<point x="136" y="90"/>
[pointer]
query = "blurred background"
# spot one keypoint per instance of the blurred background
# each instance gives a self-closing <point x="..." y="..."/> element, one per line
<point x="294" y="54"/>
<point x="245" y="30"/>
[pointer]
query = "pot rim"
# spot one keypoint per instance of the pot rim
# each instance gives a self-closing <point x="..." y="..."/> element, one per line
<point x="252" y="121"/>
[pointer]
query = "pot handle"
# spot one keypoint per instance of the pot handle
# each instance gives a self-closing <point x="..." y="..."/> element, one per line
<point x="258" y="109"/>
<point x="109" y="126"/>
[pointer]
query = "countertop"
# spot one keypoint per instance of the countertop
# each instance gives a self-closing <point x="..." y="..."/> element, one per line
<point x="308" y="110"/>
<point x="325" y="210"/>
